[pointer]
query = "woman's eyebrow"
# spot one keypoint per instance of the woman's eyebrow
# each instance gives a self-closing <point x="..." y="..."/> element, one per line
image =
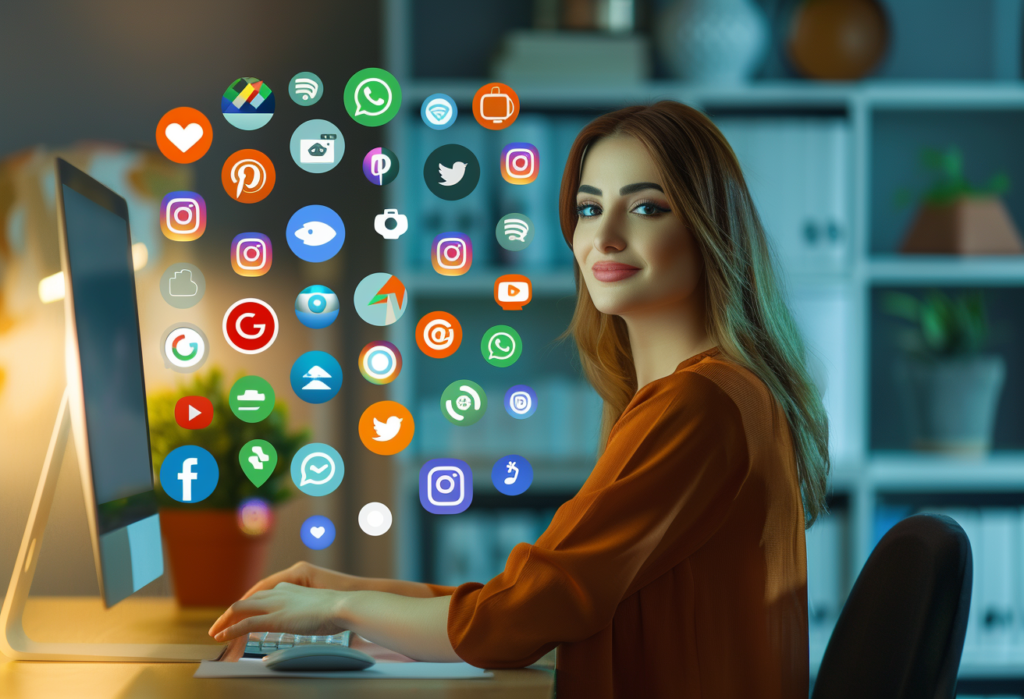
<point x="587" y="189"/>
<point x="639" y="187"/>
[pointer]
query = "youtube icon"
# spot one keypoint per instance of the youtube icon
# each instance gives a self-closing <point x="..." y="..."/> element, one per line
<point x="193" y="412"/>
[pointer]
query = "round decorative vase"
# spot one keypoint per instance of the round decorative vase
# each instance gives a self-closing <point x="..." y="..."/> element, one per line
<point x="213" y="562"/>
<point x="952" y="402"/>
<point x="713" y="41"/>
<point x="837" y="39"/>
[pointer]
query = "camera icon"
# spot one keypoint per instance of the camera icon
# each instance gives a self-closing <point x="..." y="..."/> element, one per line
<point x="251" y="253"/>
<point x="401" y="224"/>
<point x="183" y="216"/>
<point x="520" y="163"/>
<point x="451" y="253"/>
<point x="446" y="486"/>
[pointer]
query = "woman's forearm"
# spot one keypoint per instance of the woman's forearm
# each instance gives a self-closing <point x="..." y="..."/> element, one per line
<point x="406" y="588"/>
<point x="417" y="628"/>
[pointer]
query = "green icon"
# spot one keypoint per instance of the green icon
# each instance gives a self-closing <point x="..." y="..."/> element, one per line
<point x="305" y="89"/>
<point x="501" y="346"/>
<point x="373" y="97"/>
<point x="463" y="402"/>
<point x="514" y="232"/>
<point x="258" y="459"/>
<point x="251" y="398"/>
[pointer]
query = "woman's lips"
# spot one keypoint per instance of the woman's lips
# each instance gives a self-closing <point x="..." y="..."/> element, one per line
<point x="612" y="271"/>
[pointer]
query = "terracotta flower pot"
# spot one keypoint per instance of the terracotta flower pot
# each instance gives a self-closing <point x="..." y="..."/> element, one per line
<point x="968" y="226"/>
<point x="213" y="562"/>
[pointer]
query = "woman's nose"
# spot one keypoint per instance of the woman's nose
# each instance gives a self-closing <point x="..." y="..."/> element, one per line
<point x="608" y="237"/>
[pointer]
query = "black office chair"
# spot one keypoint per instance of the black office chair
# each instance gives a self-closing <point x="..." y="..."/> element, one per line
<point x="901" y="632"/>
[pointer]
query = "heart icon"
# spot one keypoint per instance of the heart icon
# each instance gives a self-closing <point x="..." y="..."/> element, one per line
<point x="317" y="531"/>
<point x="183" y="138"/>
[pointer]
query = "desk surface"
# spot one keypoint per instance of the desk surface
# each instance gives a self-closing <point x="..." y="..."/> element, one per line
<point x="148" y="620"/>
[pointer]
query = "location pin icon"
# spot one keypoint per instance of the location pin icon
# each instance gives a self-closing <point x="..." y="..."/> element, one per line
<point x="258" y="458"/>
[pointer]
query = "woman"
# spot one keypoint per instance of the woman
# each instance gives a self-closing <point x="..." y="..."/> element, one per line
<point x="678" y="569"/>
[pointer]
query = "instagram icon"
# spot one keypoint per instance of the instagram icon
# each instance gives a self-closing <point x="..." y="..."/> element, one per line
<point x="251" y="254"/>
<point x="183" y="216"/>
<point x="520" y="163"/>
<point x="452" y="254"/>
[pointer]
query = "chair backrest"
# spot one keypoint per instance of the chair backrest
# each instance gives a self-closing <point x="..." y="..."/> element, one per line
<point x="901" y="632"/>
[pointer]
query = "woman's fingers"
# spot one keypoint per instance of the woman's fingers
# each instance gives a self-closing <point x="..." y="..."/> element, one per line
<point x="263" y="622"/>
<point x="287" y="575"/>
<point x="241" y="610"/>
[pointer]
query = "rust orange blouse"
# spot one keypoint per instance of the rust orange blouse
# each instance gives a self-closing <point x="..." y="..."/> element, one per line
<point x="678" y="570"/>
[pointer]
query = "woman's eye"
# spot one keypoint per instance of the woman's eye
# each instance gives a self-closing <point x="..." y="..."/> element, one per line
<point x="587" y="210"/>
<point x="648" y="209"/>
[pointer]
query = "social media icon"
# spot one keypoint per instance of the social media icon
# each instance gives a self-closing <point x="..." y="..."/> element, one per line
<point x="463" y="402"/>
<point x="380" y="166"/>
<point x="258" y="459"/>
<point x="184" y="135"/>
<point x="452" y="254"/>
<point x="317" y="469"/>
<point x="254" y="516"/>
<point x="317" y="532"/>
<point x="391" y="224"/>
<point x="380" y="362"/>
<point x="305" y="89"/>
<point x="386" y="428"/>
<point x="446" y="486"/>
<point x="183" y="216"/>
<point x="380" y="299"/>
<point x="373" y="97"/>
<point x="251" y="254"/>
<point x="501" y="346"/>
<point x="251" y="399"/>
<point x="317" y="145"/>
<point x="439" y="111"/>
<point x="438" y="334"/>
<point x="513" y="291"/>
<point x="316" y="377"/>
<point x="520" y="402"/>
<point x="316" y="306"/>
<point x="184" y="347"/>
<point x="182" y="285"/>
<point x="250" y="326"/>
<point x="247" y="104"/>
<point x="495" y="106"/>
<point x="451" y="172"/>
<point x="520" y="163"/>
<point x="315" y="233"/>
<point x="189" y="474"/>
<point x="512" y="475"/>
<point x="193" y="412"/>
<point x="248" y="176"/>
<point x="514" y="232"/>
<point x="375" y="518"/>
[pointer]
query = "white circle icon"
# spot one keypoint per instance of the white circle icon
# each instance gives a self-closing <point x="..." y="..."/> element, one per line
<point x="375" y="518"/>
<point x="438" y="334"/>
<point x="380" y="363"/>
<point x="520" y="402"/>
<point x="184" y="347"/>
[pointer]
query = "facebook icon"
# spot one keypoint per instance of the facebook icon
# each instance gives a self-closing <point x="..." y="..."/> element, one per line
<point x="189" y="474"/>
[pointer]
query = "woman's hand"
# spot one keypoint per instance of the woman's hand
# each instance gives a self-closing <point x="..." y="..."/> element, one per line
<point x="287" y="608"/>
<point x="306" y="575"/>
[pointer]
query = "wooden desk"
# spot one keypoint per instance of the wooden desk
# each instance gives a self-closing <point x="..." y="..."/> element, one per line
<point x="148" y="620"/>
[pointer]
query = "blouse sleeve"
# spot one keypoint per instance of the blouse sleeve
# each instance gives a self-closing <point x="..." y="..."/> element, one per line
<point x="673" y="465"/>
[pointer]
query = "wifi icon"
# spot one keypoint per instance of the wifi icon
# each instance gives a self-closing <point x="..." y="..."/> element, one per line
<point x="305" y="89"/>
<point x="514" y="232"/>
<point x="439" y="111"/>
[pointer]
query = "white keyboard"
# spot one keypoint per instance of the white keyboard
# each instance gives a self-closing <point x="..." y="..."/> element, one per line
<point x="263" y="642"/>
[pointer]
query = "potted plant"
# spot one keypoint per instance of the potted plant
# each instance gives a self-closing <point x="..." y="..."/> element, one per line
<point x="952" y="388"/>
<point x="217" y="548"/>
<point x="955" y="217"/>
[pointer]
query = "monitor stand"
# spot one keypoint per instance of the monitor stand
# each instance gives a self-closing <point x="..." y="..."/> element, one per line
<point x="14" y="643"/>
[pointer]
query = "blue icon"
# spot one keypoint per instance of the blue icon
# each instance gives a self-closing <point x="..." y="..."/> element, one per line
<point x="316" y="377"/>
<point x="512" y="474"/>
<point x="317" y="469"/>
<point x="317" y="532"/>
<point x="446" y="486"/>
<point x="439" y="111"/>
<point x="315" y="233"/>
<point x="316" y="306"/>
<point x="189" y="474"/>
<point x="520" y="402"/>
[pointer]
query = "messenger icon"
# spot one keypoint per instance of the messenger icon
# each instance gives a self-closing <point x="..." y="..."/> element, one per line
<point x="317" y="469"/>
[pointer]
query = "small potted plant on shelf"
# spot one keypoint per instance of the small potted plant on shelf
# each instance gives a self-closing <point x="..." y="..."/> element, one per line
<point x="957" y="218"/>
<point x="218" y="547"/>
<point x="951" y="387"/>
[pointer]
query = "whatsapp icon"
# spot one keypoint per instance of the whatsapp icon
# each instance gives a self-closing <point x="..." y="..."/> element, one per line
<point x="373" y="97"/>
<point x="501" y="346"/>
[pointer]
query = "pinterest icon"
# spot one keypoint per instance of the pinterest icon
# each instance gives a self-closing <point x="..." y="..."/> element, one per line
<point x="438" y="334"/>
<point x="248" y="176"/>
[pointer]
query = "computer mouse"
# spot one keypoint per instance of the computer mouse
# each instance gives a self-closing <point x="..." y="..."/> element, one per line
<point x="330" y="656"/>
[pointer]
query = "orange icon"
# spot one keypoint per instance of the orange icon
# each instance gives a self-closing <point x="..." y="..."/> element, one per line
<point x="513" y="291"/>
<point x="386" y="428"/>
<point x="184" y="135"/>
<point x="438" y="334"/>
<point x="248" y="176"/>
<point x="495" y="106"/>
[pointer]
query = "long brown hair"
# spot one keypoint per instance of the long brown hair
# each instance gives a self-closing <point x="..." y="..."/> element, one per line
<point x="746" y="314"/>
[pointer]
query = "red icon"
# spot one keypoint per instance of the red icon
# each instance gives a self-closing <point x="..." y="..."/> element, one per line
<point x="495" y="106"/>
<point x="193" y="412"/>
<point x="248" y="176"/>
<point x="184" y="135"/>
<point x="250" y="326"/>
<point x="513" y="291"/>
<point x="438" y="334"/>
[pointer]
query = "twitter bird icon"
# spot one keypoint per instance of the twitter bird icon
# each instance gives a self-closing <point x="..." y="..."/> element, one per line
<point x="451" y="175"/>
<point x="451" y="172"/>
<point x="386" y="431"/>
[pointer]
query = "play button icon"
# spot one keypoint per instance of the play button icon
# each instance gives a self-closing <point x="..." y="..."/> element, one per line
<point x="193" y="412"/>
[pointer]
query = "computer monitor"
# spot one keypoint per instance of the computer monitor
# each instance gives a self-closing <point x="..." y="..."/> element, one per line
<point x="106" y="385"/>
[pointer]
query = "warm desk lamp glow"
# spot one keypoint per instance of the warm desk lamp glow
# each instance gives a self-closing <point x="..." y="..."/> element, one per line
<point x="51" y="288"/>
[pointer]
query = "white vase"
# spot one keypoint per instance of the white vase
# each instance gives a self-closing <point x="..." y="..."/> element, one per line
<point x="713" y="41"/>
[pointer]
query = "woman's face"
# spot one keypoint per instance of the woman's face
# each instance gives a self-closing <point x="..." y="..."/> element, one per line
<point x="636" y="254"/>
